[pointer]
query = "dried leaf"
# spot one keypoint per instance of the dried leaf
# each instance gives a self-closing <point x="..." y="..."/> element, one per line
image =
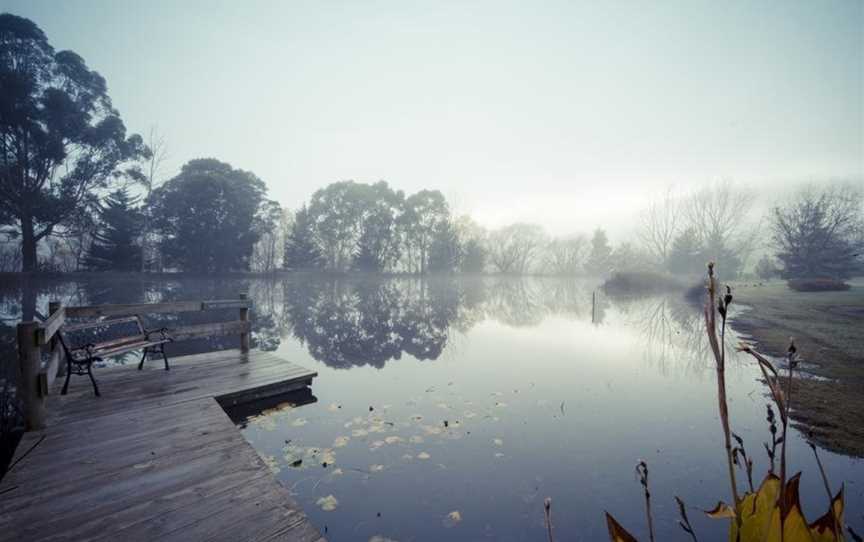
<point x="617" y="533"/>
<point x="722" y="510"/>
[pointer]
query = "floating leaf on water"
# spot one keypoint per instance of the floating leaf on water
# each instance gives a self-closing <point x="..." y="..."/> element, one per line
<point x="423" y="455"/>
<point x="376" y="468"/>
<point x="393" y="439"/>
<point x="339" y="442"/>
<point x="498" y="442"/>
<point x="359" y="433"/>
<point x="500" y="404"/>
<point x="417" y="417"/>
<point x="264" y="422"/>
<point x="328" y="503"/>
<point x="328" y="456"/>
<point x="499" y="455"/>
<point x="377" y="428"/>
<point x="416" y="439"/>
<point x="408" y="457"/>
<point x="379" y="538"/>
<point x="432" y="429"/>
<point x="377" y="444"/>
<point x="346" y="425"/>
<point x="299" y="422"/>
<point x="334" y="407"/>
<point x="296" y="463"/>
<point x="337" y="472"/>
<point x="358" y="419"/>
<point x="386" y="407"/>
<point x="452" y="519"/>
<point x="444" y="406"/>
<point x="469" y="415"/>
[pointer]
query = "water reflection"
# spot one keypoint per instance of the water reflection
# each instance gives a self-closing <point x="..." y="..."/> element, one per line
<point x="494" y="393"/>
<point x="349" y="322"/>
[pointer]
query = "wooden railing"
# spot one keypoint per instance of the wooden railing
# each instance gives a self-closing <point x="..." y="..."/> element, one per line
<point x="36" y="379"/>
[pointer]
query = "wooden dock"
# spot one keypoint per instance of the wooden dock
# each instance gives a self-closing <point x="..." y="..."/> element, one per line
<point x="154" y="458"/>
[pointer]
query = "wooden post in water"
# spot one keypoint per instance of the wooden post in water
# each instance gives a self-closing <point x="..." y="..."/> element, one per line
<point x="29" y="365"/>
<point x="244" y="335"/>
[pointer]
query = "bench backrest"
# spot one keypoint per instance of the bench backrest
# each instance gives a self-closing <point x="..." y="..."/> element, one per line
<point x="102" y="334"/>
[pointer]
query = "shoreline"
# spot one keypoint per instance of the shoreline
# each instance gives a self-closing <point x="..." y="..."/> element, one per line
<point x="829" y="409"/>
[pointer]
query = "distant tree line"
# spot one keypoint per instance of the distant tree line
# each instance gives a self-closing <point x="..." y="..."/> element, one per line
<point x="818" y="232"/>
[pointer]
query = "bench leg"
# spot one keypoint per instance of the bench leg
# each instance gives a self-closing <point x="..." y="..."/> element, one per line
<point x="93" y="380"/>
<point x="68" y="374"/>
<point x="165" y="357"/>
<point x="143" y="357"/>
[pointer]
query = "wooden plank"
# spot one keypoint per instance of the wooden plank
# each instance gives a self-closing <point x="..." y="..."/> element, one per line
<point x="241" y="303"/>
<point x="51" y="325"/>
<point x="155" y="458"/>
<point x="208" y="330"/>
<point x="95" y="311"/>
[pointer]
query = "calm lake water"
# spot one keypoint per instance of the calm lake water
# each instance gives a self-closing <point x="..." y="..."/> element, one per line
<point x="448" y="409"/>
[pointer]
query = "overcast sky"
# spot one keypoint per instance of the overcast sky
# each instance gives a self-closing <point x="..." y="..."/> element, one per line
<point x="564" y="113"/>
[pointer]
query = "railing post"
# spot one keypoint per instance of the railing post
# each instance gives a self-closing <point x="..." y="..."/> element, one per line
<point x="244" y="335"/>
<point x="29" y="365"/>
<point x="54" y="306"/>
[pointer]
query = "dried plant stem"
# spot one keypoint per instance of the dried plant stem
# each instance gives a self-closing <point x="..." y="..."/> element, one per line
<point x="642" y="472"/>
<point x="684" y="522"/>
<point x="788" y="402"/>
<point x="822" y="471"/>
<point x="711" y="324"/>
<point x="547" y="510"/>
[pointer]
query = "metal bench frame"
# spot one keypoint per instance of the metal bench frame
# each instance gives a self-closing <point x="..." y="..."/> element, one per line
<point x="80" y="357"/>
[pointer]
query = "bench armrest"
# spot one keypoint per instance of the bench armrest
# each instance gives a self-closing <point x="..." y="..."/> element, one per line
<point x="163" y="334"/>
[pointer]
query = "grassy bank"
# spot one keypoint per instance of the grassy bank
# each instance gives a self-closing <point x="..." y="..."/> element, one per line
<point x="827" y="327"/>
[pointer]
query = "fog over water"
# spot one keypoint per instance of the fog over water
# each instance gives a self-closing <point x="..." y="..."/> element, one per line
<point x="554" y="114"/>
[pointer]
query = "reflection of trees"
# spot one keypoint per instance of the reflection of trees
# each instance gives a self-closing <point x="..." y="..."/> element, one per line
<point x="673" y="330"/>
<point x="368" y="321"/>
<point x="346" y="323"/>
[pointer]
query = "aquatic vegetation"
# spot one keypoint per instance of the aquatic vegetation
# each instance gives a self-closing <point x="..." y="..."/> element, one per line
<point x="773" y="511"/>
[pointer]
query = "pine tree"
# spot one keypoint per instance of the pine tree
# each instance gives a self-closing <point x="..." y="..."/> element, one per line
<point x="599" y="258"/>
<point x="117" y="244"/>
<point x="301" y="252"/>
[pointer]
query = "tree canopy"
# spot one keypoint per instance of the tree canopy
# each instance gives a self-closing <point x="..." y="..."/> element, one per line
<point x="207" y="215"/>
<point x="821" y="233"/>
<point x="60" y="137"/>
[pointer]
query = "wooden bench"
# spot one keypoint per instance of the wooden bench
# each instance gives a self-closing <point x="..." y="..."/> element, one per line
<point x="87" y="343"/>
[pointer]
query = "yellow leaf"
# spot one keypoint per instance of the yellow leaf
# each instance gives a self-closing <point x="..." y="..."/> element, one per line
<point x="760" y="516"/>
<point x="825" y="529"/>
<point x="617" y="533"/>
<point x="756" y="509"/>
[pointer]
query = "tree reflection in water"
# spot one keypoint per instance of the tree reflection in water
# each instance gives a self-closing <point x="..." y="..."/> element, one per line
<point x="356" y="321"/>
